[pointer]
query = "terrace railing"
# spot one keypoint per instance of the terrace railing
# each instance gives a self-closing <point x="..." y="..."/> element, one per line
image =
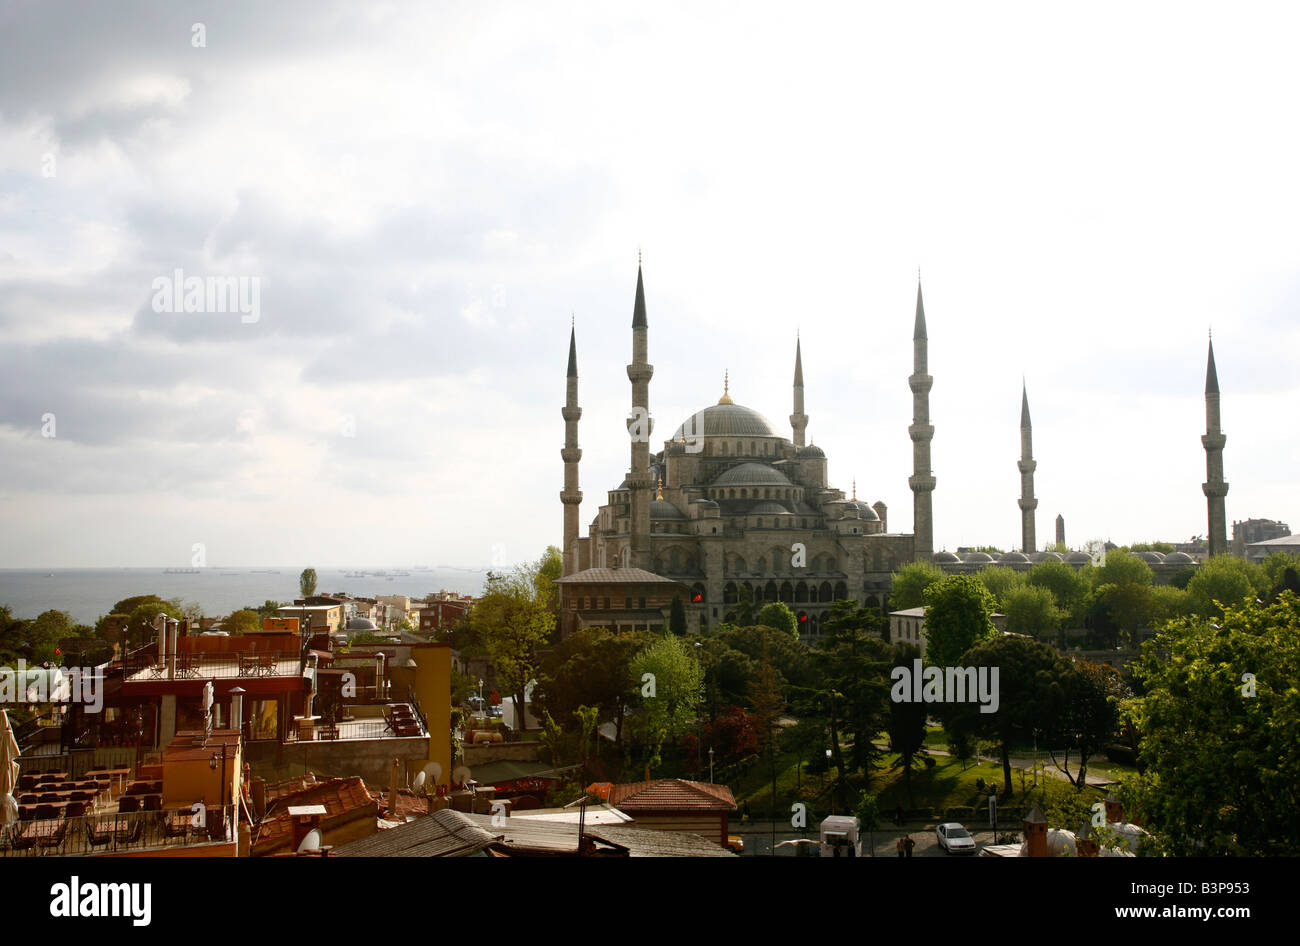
<point x="97" y="834"/>
<point x="201" y="666"/>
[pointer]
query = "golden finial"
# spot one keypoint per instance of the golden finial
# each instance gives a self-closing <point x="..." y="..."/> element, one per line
<point x="659" y="490"/>
<point x="726" y="389"/>
<point x="638" y="257"/>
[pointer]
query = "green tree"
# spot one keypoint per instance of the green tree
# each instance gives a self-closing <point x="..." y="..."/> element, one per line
<point x="671" y="688"/>
<point x="910" y="582"/>
<point x="745" y="607"/>
<point x="1031" y="696"/>
<point x="958" y="615"/>
<point x="1031" y="609"/>
<point x="545" y="571"/>
<point x="1122" y="568"/>
<point x="906" y="725"/>
<point x="677" y="616"/>
<point x="512" y="624"/>
<point x="307" y="582"/>
<point x="590" y="667"/>
<point x="1121" y="608"/>
<point x="1093" y="693"/>
<point x="777" y="615"/>
<point x="1066" y="585"/>
<point x="140" y="628"/>
<point x="1219" y="748"/>
<point x="1224" y="580"/>
<point x="1001" y="581"/>
<point x="853" y="696"/>
<point x="242" y="622"/>
<point x="267" y="609"/>
<point x="1167" y="603"/>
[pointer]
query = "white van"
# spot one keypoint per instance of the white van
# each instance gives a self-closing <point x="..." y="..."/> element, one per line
<point x="841" y="836"/>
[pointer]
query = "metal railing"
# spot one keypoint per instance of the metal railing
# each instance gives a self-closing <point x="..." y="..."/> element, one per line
<point x="97" y="834"/>
<point x="207" y="666"/>
<point x="415" y="706"/>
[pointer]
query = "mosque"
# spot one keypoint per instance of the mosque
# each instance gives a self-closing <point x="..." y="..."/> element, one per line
<point x="731" y="510"/>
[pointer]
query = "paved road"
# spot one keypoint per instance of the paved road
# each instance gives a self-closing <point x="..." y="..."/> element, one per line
<point x="758" y="838"/>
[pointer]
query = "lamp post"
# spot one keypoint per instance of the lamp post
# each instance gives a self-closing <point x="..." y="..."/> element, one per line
<point x="828" y="768"/>
<point x="710" y="765"/>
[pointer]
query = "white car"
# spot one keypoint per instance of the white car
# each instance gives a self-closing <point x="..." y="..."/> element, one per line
<point x="955" y="839"/>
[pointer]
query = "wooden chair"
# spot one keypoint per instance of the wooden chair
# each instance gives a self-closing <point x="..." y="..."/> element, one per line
<point x="130" y="831"/>
<point x="128" y="804"/>
<point x="23" y="836"/>
<point x="97" y="835"/>
<point x="55" y="838"/>
<point x="176" y="825"/>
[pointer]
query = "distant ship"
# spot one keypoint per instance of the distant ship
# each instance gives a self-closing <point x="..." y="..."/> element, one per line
<point x="180" y="571"/>
<point x="354" y="574"/>
<point x="264" y="571"/>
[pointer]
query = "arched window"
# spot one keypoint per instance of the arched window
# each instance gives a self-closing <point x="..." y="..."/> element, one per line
<point x="841" y="591"/>
<point x="730" y="595"/>
<point x="801" y="592"/>
<point x="769" y="591"/>
<point x="824" y="591"/>
<point x="787" y="592"/>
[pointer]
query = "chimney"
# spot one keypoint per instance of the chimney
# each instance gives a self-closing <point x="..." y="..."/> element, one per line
<point x="1084" y="842"/>
<point x="1114" y="810"/>
<point x="1036" y="833"/>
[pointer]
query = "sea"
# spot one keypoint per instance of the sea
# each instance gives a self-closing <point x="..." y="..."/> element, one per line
<point x="88" y="593"/>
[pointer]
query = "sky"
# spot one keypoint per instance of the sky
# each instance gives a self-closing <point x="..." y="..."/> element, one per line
<point x="420" y="197"/>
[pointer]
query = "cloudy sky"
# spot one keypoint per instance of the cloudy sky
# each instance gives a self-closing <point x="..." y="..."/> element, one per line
<point x="426" y="193"/>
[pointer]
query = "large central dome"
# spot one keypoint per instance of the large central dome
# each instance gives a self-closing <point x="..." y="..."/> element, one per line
<point x="726" y="420"/>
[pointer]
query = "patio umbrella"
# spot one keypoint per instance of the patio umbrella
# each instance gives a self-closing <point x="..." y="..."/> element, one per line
<point x="8" y="771"/>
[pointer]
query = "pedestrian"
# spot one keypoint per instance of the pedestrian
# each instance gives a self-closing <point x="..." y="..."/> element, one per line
<point x="898" y="815"/>
<point x="900" y="848"/>
<point x="909" y="843"/>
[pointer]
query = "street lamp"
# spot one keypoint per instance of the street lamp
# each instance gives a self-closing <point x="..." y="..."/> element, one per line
<point x="828" y="767"/>
<point x="710" y="765"/>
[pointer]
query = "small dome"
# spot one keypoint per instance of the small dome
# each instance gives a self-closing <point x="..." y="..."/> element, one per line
<point x="865" y="512"/>
<point x="1179" y="558"/>
<point x="1037" y="557"/>
<point x="769" y="508"/>
<point x="1152" y="558"/>
<point x="662" y="509"/>
<point x="1077" y="558"/>
<point x="811" y="451"/>
<point x="977" y="558"/>
<point x="945" y="557"/>
<point x="752" y="474"/>
<point x="706" y="504"/>
<point x="1014" y="558"/>
<point x="726" y="420"/>
<point x="361" y="624"/>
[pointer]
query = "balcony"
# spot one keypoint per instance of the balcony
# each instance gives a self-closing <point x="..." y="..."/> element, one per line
<point x="110" y="833"/>
<point x="147" y="668"/>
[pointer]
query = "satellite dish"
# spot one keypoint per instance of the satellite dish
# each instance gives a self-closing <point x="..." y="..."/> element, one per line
<point x="311" y="842"/>
<point x="460" y="775"/>
<point x="434" y="771"/>
<point x="418" y="784"/>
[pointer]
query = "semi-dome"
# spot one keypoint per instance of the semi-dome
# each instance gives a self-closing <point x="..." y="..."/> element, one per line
<point x="945" y="557"/>
<point x="812" y="450"/>
<point x="769" y="508"/>
<point x="726" y="420"/>
<point x="1179" y="558"/>
<point x="864" y="511"/>
<point x="662" y="509"/>
<point x="752" y="474"/>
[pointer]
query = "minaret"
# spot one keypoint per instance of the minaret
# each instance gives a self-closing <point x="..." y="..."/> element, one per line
<point x="798" y="420"/>
<point x="571" y="496"/>
<point x="1214" y="487"/>
<point x="922" y="431"/>
<point x="1060" y="529"/>
<point x="639" y="480"/>
<point x="1027" y="466"/>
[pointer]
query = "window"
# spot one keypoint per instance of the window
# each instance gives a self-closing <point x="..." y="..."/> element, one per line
<point x="641" y="603"/>
<point x="627" y="603"/>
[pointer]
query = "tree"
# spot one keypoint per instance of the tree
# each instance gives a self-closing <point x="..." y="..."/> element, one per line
<point x="307" y="582"/>
<point x="854" y="694"/>
<point x="1219" y="747"/>
<point x="1121" y="608"/>
<point x="677" y="616"/>
<point x="671" y="684"/>
<point x="1122" y="568"/>
<point x="140" y="628"/>
<point x="267" y="609"/>
<point x="910" y="582"/>
<point x="1093" y="693"/>
<point x="1067" y="586"/>
<point x="1167" y="603"/>
<point x="242" y="622"/>
<point x="591" y="667"/>
<point x="745" y="607"/>
<point x="958" y="615"/>
<point x="1031" y="695"/>
<point x="1001" y="581"/>
<point x="907" y="723"/>
<point x="511" y="622"/>
<point x="1223" y="580"/>
<point x="544" y="573"/>
<point x="777" y="615"/>
<point x="1032" y="610"/>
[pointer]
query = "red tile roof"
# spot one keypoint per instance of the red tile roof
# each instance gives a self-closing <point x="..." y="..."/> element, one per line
<point x="339" y="796"/>
<point x="667" y="794"/>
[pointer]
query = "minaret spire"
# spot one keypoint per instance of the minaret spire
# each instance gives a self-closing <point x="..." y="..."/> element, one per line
<point x="571" y="495"/>
<point x="798" y="420"/>
<point x="640" y="480"/>
<point x="1027" y="465"/>
<point x="1214" y="487"/>
<point x="922" y="432"/>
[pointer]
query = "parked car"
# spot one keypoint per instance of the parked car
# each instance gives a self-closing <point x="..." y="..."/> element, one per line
<point x="955" y="839"/>
<point x="736" y="843"/>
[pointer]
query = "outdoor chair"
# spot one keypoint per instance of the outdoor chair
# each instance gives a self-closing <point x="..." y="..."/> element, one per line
<point x="44" y="812"/>
<point x="152" y="803"/>
<point x="176" y="825"/>
<point x="23" y="836"/>
<point x="128" y="804"/>
<point x="75" y="809"/>
<point x="129" y="831"/>
<point x="55" y="838"/>
<point x="96" y="836"/>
